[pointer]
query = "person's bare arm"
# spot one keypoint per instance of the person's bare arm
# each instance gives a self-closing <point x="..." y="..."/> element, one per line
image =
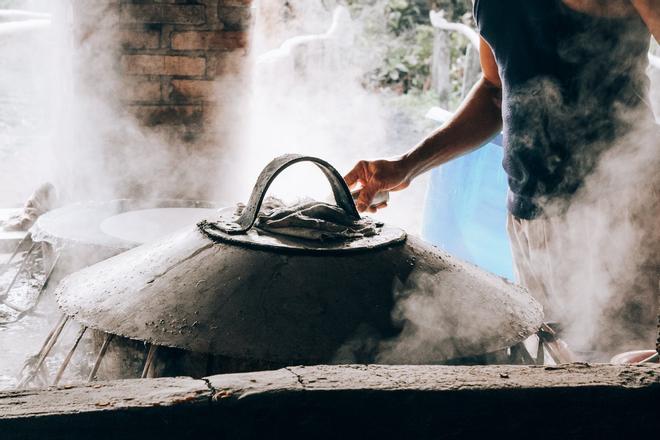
<point x="477" y="120"/>
<point x="649" y="10"/>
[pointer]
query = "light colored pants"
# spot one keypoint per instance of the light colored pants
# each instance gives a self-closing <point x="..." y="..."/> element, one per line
<point x="597" y="277"/>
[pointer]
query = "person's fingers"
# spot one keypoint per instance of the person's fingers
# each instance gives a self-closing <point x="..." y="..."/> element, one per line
<point x="401" y="186"/>
<point x="357" y="174"/>
<point x="367" y="195"/>
<point x="351" y="178"/>
<point x="375" y="208"/>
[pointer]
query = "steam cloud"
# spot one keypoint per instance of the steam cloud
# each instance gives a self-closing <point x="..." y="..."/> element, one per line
<point x="308" y="96"/>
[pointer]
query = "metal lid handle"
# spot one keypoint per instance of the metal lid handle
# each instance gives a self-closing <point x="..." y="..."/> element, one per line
<point x="273" y="169"/>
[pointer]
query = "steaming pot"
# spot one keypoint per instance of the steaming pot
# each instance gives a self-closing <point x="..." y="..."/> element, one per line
<point x="226" y="287"/>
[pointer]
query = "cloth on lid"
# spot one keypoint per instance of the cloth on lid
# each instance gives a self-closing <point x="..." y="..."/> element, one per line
<point x="311" y="220"/>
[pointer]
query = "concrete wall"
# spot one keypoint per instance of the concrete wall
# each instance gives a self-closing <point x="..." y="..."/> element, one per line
<point x="367" y="402"/>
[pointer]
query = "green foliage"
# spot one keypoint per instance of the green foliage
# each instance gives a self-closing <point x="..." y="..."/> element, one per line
<point x="11" y="4"/>
<point x="400" y="35"/>
<point x="455" y="9"/>
<point x="406" y="61"/>
<point x="402" y="16"/>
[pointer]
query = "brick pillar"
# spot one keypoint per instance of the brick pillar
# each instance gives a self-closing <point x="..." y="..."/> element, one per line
<point x="173" y="54"/>
<point x="172" y="67"/>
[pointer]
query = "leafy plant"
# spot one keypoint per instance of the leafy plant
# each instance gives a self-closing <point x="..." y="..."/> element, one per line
<point x="11" y="4"/>
<point x="406" y="62"/>
<point x="399" y="33"/>
<point x="402" y="15"/>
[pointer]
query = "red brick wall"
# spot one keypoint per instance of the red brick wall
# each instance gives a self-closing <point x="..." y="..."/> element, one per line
<point x="174" y="68"/>
<point x="174" y="52"/>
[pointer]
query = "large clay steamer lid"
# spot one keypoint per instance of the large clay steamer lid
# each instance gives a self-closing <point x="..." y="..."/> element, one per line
<point x="216" y="289"/>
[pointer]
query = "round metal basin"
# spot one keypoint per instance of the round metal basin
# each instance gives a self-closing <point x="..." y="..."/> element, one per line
<point x="82" y="234"/>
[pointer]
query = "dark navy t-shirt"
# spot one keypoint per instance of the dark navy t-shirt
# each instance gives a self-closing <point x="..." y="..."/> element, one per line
<point x="568" y="81"/>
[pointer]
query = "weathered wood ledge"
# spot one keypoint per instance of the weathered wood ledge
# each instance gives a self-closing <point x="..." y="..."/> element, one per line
<point x="582" y="401"/>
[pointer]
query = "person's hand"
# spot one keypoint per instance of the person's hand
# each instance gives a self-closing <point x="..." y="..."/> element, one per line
<point x="376" y="176"/>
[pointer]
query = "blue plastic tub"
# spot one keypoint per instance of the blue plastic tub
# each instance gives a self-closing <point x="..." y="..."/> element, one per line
<point x="465" y="209"/>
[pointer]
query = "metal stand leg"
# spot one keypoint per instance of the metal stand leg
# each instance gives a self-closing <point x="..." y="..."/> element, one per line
<point x="43" y="287"/>
<point x="151" y="354"/>
<point x="540" y="353"/>
<point x="520" y="355"/>
<point x="99" y="358"/>
<point x="51" y="340"/>
<point x="26" y="239"/>
<point x="47" y="278"/>
<point x="20" y="270"/>
<point x="559" y="353"/>
<point x="60" y="372"/>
